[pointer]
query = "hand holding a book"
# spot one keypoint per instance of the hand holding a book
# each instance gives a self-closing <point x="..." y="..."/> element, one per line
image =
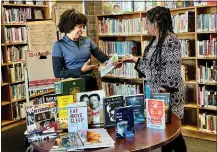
<point x="87" y="67"/>
<point x="130" y="58"/>
<point x="118" y="64"/>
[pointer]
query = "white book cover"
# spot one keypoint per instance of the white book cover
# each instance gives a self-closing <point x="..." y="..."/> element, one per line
<point x="155" y="110"/>
<point x="127" y="6"/>
<point x="139" y="5"/>
<point x="94" y="100"/>
<point x="77" y="116"/>
<point x="107" y="67"/>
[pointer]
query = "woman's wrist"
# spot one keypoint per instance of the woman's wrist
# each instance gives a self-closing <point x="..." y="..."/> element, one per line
<point x="135" y="59"/>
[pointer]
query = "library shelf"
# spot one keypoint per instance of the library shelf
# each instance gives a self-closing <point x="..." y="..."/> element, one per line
<point x="110" y="35"/>
<point x="16" y="62"/>
<point x="190" y="82"/>
<point x="17" y="43"/>
<point x="7" y="124"/>
<point x="211" y="109"/>
<point x="190" y="127"/>
<point x="23" y="5"/>
<point x="211" y="32"/>
<point x="208" y="83"/>
<point x="3" y="44"/>
<point x="207" y="58"/>
<point x="15" y="24"/>
<point x="5" y="103"/>
<point x="189" y="58"/>
<point x="17" y="82"/>
<point x="4" y="64"/>
<point x="190" y="105"/>
<point x="4" y="84"/>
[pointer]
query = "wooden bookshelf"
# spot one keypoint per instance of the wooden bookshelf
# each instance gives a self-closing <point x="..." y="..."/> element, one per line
<point x="6" y="86"/>
<point x="192" y="108"/>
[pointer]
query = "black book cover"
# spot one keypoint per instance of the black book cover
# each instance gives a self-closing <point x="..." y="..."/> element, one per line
<point x="109" y="105"/>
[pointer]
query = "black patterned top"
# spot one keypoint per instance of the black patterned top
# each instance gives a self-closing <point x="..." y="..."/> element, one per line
<point x="169" y="75"/>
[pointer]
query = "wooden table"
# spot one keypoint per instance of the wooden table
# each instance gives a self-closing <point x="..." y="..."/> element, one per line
<point x="145" y="139"/>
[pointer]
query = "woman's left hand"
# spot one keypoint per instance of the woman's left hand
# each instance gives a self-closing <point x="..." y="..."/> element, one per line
<point x="118" y="64"/>
<point x="162" y="90"/>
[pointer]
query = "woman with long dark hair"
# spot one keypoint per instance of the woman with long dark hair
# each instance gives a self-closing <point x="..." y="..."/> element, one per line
<point x="161" y="65"/>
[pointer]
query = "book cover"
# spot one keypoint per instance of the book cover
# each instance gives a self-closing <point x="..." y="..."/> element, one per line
<point x="147" y="92"/>
<point x="50" y="98"/>
<point x="62" y="102"/>
<point x="95" y="102"/>
<point x="124" y="122"/>
<point x="95" y="138"/>
<point x="106" y="7"/>
<point x="109" y="65"/>
<point x="109" y="105"/>
<point x="70" y="86"/>
<point x="166" y="98"/>
<point x="155" y="113"/>
<point x="77" y="117"/>
<point x="139" y="5"/>
<point x="137" y="101"/>
<point x="127" y="6"/>
<point x="62" y="123"/>
<point x="117" y="7"/>
<point x="30" y="119"/>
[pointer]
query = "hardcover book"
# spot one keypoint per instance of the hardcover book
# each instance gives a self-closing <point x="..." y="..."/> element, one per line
<point x="94" y="100"/>
<point x="155" y="113"/>
<point x="117" y="7"/>
<point x="70" y="86"/>
<point x="109" y="105"/>
<point x="166" y="98"/>
<point x="124" y="122"/>
<point x="77" y="117"/>
<point x="50" y="98"/>
<point x="137" y="101"/>
<point x="106" y="7"/>
<point x="62" y="102"/>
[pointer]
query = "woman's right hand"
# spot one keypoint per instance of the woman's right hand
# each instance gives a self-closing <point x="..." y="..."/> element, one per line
<point x="130" y="58"/>
<point x="87" y="67"/>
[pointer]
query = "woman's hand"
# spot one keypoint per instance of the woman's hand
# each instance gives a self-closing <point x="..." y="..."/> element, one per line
<point x="89" y="114"/>
<point x="118" y="64"/>
<point x="130" y="58"/>
<point x="87" y="67"/>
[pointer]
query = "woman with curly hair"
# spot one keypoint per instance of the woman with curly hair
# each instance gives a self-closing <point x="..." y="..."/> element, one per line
<point x="71" y="54"/>
<point x="161" y="65"/>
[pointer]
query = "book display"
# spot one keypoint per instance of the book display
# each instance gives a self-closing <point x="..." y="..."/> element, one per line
<point x="195" y="25"/>
<point x="14" y="46"/>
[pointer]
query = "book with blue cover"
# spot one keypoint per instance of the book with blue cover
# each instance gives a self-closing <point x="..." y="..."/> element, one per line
<point x="137" y="101"/>
<point x="166" y="98"/>
<point x="124" y="122"/>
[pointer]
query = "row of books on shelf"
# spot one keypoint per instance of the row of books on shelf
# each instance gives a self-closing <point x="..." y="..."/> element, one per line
<point x="207" y="48"/>
<point x="207" y="97"/>
<point x="183" y="22"/>
<point x="16" y="72"/>
<point x="207" y="122"/>
<point x="120" y="47"/>
<point x="126" y="71"/>
<point x="207" y="73"/>
<point x="19" y="111"/>
<point x="18" y="91"/>
<point x="21" y="15"/>
<point x="16" y="53"/>
<point x="187" y="47"/>
<point x="112" y="26"/>
<point x="207" y="23"/>
<point x="15" y="34"/>
<point x="118" y="7"/>
<point x="29" y="2"/>
<point x="120" y="88"/>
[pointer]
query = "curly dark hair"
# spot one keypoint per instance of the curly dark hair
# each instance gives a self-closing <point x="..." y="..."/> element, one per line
<point x="94" y="94"/>
<point x="162" y="17"/>
<point x="69" y="19"/>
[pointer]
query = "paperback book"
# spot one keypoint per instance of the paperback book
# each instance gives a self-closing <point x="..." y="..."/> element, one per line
<point x="77" y="117"/>
<point x="166" y="98"/>
<point x="94" y="99"/>
<point x="124" y="122"/>
<point x="109" y="65"/>
<point x="137" y="101"/>
<point x="109" y="105"/>
<point x="155" y="113"/>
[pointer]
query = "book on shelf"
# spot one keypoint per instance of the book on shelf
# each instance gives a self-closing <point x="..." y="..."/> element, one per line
<point x="117" y="7"/>
<point x="167" y="103"/>
<point x="38" y="14"/>
<point x="109" y="105"/>
<point x="77" y="117"/>
<point x="108" y="66"/>
<point x="155" y="110"/>
<point x="107" y="7"/>
<point x="50" y="98"/>
<point x="70" y="86"/>
<point x="124" y="122"/>
<point x="139" y="5"/>
<point x="137" y="101"/>
<point x="94" y="100"/>
<point x="207" y="122"/>
<point x="127" y="6"/>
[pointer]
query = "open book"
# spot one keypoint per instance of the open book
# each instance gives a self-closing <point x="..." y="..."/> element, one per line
<point x="109" y="65"/>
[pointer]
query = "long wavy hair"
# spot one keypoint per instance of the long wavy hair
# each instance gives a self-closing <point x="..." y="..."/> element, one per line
<point x="162" y="17"/>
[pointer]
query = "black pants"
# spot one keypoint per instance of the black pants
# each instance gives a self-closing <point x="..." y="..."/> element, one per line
<point x="177" y="145"/>
<point x="91" y="83"/>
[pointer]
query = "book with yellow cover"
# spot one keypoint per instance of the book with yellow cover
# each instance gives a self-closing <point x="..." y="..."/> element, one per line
<point x="62" y="102"/>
